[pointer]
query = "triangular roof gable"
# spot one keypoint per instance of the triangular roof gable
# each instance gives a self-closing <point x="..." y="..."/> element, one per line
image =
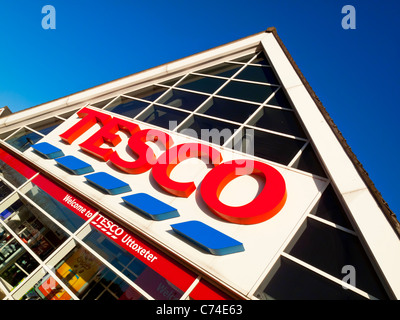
<point x="373" y="220"/>
<point x="376" y="224"/>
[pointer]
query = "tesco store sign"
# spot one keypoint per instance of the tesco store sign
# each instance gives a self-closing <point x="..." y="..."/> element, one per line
<point x="264" y="206"/>
<point x="201" y="201"/>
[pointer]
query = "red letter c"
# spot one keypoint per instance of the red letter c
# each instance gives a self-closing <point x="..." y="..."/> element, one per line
<point x="172" y="157"/>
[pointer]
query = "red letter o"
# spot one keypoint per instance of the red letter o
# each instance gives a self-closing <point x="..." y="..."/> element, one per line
<point x="267" y="204"/>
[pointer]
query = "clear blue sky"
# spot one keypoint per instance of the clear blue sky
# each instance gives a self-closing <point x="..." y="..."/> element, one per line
<point x="355" y="73"/>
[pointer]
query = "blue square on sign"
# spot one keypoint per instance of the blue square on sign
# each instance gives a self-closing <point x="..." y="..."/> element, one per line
<point x="150" y="206"/>
<point x="47" y="150"/>
<point x="107" y="183"/>
<point x="208" y="238"/>
<point x="74" y="165"/>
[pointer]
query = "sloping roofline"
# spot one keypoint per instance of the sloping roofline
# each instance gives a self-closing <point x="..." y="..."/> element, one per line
<point x="383" y="205"/>
<point x="170" y="68"/>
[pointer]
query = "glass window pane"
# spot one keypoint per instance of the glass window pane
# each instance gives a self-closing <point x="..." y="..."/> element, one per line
<point x="90" y="279"/>
<point x="278" y="120"/>
<point x="4" y="135"/>
<point x="58" y="211"/>
<point x="207" y="129"/>
<point x="23" y="139"/>
<point x="68" y="114"/>
<point x="247" y="91"/>
<point x="11" y="175"/>
<point x="202" y="84"/>
<point x="149" y="93"/>
<point x="102" y="104"/>
<point x="222" y="70"/>
<point x="330" y="249"/>
<point x="34" y="228"/>
<point x="47" y="288"/>
<point x="170" y="83"/>
<point x="245" y="58"/>
<point x="15" y="262"/>
<point x="261" y="59"/>
<point x="46" y="126"/>
<point x="309" y="162"/>
<point x="279" y="99"/>
<point x="329" y="208"/>
<point x="267" y="145"/>
<point x="163" y="117"/>
<point x="259" y="74"/>
<point x="127" y="107"/>
<point x="291" y="281"/>
<point x="5" y="191"/>
<point x="133" y="268"/>
<point x="228" y="109"/>
<point x="182" y="99"/>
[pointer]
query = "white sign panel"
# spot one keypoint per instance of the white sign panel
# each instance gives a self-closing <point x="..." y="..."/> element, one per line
<point x="262" y="242"/>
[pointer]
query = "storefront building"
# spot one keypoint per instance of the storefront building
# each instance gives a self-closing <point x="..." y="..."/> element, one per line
<point x="216" y="176"/>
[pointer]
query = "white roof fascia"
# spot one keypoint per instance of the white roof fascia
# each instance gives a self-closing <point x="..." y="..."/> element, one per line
<point x="376" y="231"/>
<point x="137" y="80"/>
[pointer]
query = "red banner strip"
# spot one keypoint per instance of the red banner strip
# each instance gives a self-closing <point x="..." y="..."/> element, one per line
<point x="68" y="200"/>
<point x="155" y="259"/>
<point x="17" y="165"/>
<point x="206" y="291"/>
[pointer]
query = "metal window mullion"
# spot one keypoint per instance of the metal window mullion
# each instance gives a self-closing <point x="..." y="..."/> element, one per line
<point x="107" y="104"/>
<point x="267" y="84"/>
<point x="6" y="244"/>
<point x="27" y="182"/>
<point x="23" y="283"/>
<point x="14" y="191"/>
<point x="237" y="99"/>
<point x="10" y="195"/>
<point x="298" y="154"/>
<point x="5" y="290"/>
<point x="190" y="289"/>
<point x="59" y="117"/>
<point x="134" y="99"/>
<point x="34" y="131"/>
<point x="277" y="133"/>
<point x="332" y="224"/>
<point x="43" y="265"/>
<point x="172" y="107"/>
<point x="114" y="269"/>
<point x="240" y="129"/>
<point x="287" y="242"/>
<point x="77" y="233"/>
<point x="19" y="240"/>
<point x="12" y="134"/>
<point x="237" y="62"/>
<point x="49" y="216"/>
<point x="271" y="106"/>
<point x="328" y="276"/>
<point x="200" y="93"/>
<point x="259" y="65"/>
<point x="192" y="91"/>
<point x="230" y="79"/>
<point x="60" y="282"/>
<point x="209" y="75"/>
<point x="210" y="97"/>
<point x="145" y="109"/>
<point x="250" y="117"/>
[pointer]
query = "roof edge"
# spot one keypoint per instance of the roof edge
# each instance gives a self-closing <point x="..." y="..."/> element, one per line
<point x="136" y="73"/>
<point x="383" y="205"/>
